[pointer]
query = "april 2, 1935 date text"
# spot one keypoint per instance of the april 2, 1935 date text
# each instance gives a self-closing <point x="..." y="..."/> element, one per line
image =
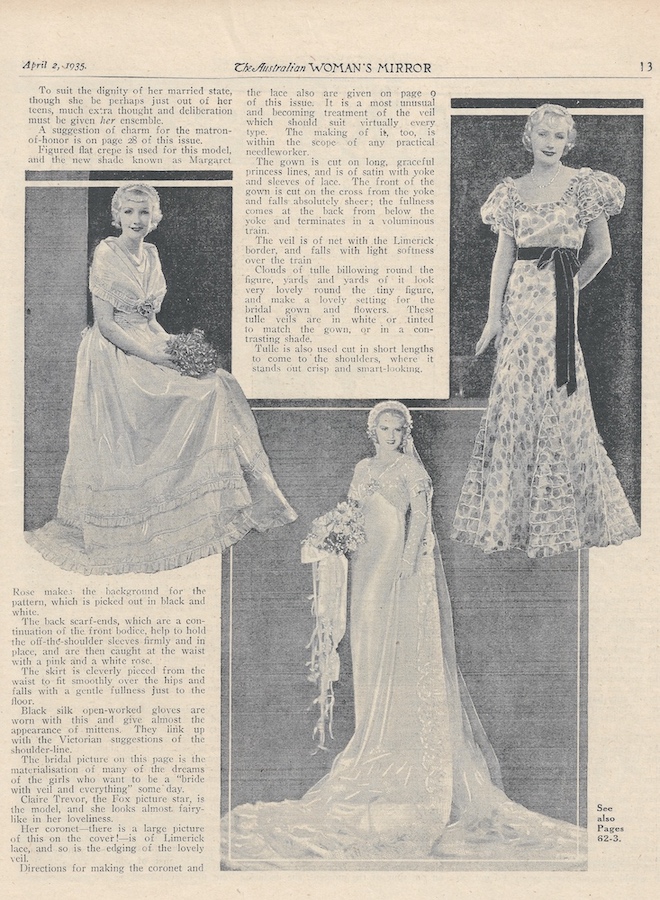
<point x="41" y="64"/>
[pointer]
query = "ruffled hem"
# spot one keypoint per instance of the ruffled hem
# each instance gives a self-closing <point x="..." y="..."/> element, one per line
<point x="71" y="514"/>
<point x="89" y="511"/>
<point x="465" y="532"/>
<point x="57" y="541"/>
<point x="463" y="537"/>
<point x="73" y="561"/>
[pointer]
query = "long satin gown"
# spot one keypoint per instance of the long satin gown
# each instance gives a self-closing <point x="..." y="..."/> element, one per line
<point x="162" y="468"/>
<point x="418" y="780"/>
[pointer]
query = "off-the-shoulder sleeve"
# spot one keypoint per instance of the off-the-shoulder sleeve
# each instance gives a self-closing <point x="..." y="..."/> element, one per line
<point x="599" y="193"/>
<point x="155" y="286"/>
<point x="105" y="280"/>
<point x="98" y="273"/>
<point x="154" y="258"/>
<point x="416" y="478"/>
<point x="498" y="210"/>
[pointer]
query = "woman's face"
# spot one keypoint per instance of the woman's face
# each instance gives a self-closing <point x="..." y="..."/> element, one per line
<point x="135" y="215"/>
<point x="390" y="431"/>
<point x="549" y="138"/>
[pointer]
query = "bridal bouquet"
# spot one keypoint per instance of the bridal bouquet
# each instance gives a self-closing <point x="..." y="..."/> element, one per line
<point x="339" y="531"/>
<point x="192" y="354"/>
<point x="332" y="538"/>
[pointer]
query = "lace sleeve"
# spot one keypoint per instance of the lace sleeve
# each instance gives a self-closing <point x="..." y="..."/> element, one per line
<point x="417" y="480"/>
<point x="357" y="481"/>
<point x="599" y="193"/>
<point x="498" y="211"/>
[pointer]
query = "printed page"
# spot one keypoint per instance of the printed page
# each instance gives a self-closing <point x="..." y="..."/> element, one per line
<point x="329" y="466"/>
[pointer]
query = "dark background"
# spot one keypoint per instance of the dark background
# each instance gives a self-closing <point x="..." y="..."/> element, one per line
<point x="63" y="226"/>
<point x="485" y="149"/>
<point x="194" y="245"/>
<point x="517" y="626"/>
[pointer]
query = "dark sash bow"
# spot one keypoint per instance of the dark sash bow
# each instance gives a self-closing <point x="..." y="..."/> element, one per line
<point x="566" y="267"/>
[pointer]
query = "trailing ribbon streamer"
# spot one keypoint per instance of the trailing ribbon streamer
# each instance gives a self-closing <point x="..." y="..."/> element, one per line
<point x="566" y="267"/>
<point x="329" y="601"/>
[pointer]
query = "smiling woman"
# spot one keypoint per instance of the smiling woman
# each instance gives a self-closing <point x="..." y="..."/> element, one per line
<point x="418" y="779"/>
<point x="163" y="468"/>
<point x="540" y="479"/>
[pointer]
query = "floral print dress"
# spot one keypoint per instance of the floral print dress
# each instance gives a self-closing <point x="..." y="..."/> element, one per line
<point x="539" y="479"/>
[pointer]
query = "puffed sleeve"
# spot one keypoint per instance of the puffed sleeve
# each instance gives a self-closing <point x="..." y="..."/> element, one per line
<point x="498" y="210"/>
<point x="599" y="193"/>
<point x="417" y="479"/>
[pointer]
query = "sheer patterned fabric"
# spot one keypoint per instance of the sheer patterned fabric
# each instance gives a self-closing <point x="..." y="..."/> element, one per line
<point x="539" y="479"/>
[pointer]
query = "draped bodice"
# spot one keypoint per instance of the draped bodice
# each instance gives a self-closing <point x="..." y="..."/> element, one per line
<point x="134" y="290"/>
<point x="398" y="483"/>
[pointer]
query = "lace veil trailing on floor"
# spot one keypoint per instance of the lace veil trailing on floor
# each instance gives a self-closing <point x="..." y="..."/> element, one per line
<point x="419" y="779"/>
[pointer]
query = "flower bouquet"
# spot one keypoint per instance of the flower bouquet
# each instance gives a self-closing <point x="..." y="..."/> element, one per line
<point x="339" y="531"/>
<point x="192" y="354"/>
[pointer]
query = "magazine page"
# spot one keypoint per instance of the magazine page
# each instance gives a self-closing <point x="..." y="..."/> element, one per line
<point x="329" y="466"/>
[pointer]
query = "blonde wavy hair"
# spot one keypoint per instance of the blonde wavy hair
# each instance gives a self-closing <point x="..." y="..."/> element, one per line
<point x="137" y="189"/>
<point x="549" y="111"/>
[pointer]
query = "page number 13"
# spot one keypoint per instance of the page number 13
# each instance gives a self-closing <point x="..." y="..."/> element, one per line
<point x="646" y="66"/>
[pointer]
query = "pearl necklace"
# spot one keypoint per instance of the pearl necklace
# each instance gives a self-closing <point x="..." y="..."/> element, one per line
<point x="545" y="183"/>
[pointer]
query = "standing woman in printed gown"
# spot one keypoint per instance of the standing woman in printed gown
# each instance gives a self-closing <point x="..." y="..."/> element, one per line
<point x="162" y="468"/>
<point x="539" y="479"/>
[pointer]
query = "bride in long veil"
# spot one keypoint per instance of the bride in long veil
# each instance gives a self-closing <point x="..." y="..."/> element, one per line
<point x="418" y="779"/>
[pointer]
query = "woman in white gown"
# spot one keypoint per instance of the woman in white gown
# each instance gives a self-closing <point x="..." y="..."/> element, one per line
<point x="418" y="779"/>
<point x="162" y="468"/>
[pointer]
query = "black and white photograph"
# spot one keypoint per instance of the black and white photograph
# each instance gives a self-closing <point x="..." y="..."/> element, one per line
<point x="164" y="463"/>
<point x="520" y="486"/>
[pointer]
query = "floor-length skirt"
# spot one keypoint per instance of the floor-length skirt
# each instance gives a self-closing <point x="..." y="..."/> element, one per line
<point x="539" y="479"/>
<point x="418" y="779"/>
<point x="162" y="469"/>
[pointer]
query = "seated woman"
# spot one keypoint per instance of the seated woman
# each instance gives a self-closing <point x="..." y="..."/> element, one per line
<point x="162" y="468"/>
